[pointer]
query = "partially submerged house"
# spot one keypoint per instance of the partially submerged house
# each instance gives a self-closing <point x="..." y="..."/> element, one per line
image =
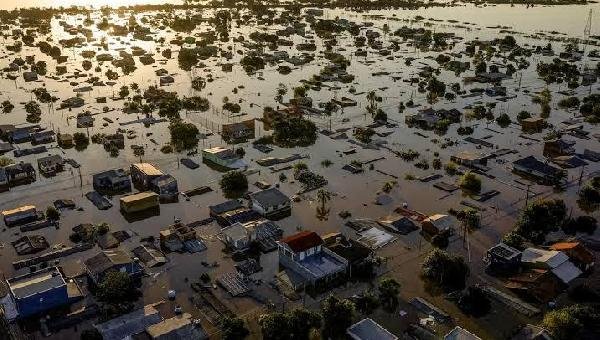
<point x="438" y="223"/>
<point x="429" y="118"/>
<point x="558" y="147"/>
<point x="20" y="215"/>
<point x="20" y="173"/>
<point x="271" y="203"/>
<point x="239" y="236"/>
<point x="311" y="263"/>
<point x="112" y="260"/>
<point x="367" y="329"/>
<point x="223" y="157"/>
<point x="240" y="131"/>
<point x="180" y="238"/>
<point x="40" y="291"/>
<point x="142" y="175"/>
<point x="540" y="171"/>
<point x="470" y="159"/>
<point x="166" y="187"/>
<point x="139" y="202"/>
<point x="503" y="258"/>
<point x="114" y="180"/>
<point x="177" y="327"/>
<point x="555" y="261"/>
<point x="127" y="325"/>
<point x="577" y="253"/>
<point x="51" y="165"/>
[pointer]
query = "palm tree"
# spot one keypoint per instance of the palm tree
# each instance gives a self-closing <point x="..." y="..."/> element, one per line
<point x="323" y="196"/>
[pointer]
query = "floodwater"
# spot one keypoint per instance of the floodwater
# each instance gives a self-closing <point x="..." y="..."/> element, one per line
<point x="354" y="193"/>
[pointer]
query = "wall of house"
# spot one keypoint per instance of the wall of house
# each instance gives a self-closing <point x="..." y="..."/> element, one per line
<point x="43" y="301"/>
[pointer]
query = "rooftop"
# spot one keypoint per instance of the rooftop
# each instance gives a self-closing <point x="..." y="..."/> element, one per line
<point x="269" y="197"/>
<point x="129" y="324"/>
<point x="138" y="196"/>
<point x="148" y="169"/>
<point x="367" y="329"/>
<point x="302" y="241"/>
<point x="36" y="282"/>
<point x="107" y="259"/>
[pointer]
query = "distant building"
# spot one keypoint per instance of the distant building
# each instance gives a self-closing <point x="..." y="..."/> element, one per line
<point x="111" y="260"/>
<point x="142" y="175"/>
<point x="38" y="292"/>
<point x="311" y="263"/>
<point x="114" y="180"/>
<point x="367" y="329"/>
<point x="271" y="203"/>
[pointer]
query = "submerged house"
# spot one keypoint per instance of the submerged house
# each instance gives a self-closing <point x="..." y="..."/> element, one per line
<point x="503" y="258"/>
<point x="239" y="236"/>
<point x="271" y="203"/>
<point x="114" y="180"/>
<point x="311" y="264"/>
<point x="555" y="261"/>
<point x="540" y="171"/>
<point x="470" y="159"/>
<point x="437" y="223"/>
<point x="429" y="118"/>
<point x="139" y="202"/>
<point x="20" y="215"/>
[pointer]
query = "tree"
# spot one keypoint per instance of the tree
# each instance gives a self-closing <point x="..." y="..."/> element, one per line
<point x="539" y="218"/>
<point x="388" y="293"/>
<point x="91" y="334"/>
<point x="571" y="322"/>
<point x="233" y="183"/>
<point x="337" y="317"/>
<point x="4" y="161"/>
<point x="116" y="287"/>
<point x="293" y="132"/>
<point x="233" y="329"/>
<point x="52" y="214"/>
<point x="184" y="136"/>
<point x="470" y="182"/>
<point x="367" y="302"/>
<point x="474" y="302"/>
<point x="81" y="141"/>
<point x="445" y="270"/>
<point x="294" y="325"/>
<point x="323" y="196"/>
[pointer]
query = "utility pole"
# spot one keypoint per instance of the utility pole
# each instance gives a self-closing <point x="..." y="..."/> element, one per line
<point x="527" y="195"/>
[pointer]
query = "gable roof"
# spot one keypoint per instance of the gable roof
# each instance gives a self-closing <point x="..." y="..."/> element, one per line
<point x="269" y="197"/>
<point x="302" y="241"/>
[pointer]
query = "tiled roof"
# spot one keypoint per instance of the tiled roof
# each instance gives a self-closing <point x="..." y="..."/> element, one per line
<point x="302" y="241"/>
